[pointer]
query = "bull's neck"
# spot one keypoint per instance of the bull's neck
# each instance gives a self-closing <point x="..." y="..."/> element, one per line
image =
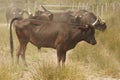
<point x="78" y="35"/>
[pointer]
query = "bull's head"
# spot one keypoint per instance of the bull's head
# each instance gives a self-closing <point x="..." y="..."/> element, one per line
<point x="88" y="19"/>
<point x="99" y="24"/>
<point x="88" y="31"/>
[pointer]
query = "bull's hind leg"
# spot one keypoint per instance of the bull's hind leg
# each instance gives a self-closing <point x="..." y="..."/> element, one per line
<point x="23" y="54"/>
<point x="21" y="51"/>
<point x="23" y="41"/>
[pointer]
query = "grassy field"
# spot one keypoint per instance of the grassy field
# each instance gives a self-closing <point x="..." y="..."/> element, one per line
<point x="99" y="61"/>
<point x="85" y="62"/>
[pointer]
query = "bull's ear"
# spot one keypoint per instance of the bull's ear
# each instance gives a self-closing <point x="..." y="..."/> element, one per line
<point x="77" y="19"/>
<point x="50" y="16"/>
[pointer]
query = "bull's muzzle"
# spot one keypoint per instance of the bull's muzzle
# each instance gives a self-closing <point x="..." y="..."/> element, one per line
<point x="93" y="42"/>
<point x="102" y="26"/>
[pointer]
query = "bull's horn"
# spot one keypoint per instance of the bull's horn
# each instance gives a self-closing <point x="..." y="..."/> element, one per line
<point x="77" y="19"/>
<point x="93" y="24"/>
<point x="44" y="8"/>
<point x="29" y="13"/>
<point x="103" y="20"/>
<point x="76" y="16"/>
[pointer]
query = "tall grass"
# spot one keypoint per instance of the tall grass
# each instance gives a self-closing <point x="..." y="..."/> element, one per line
<point x="105" y="55"/>
<point x="48" y="71"/>
<point x="9" y="72"/>
<point x="44" y="68"/>
<point x="103" y="58"/>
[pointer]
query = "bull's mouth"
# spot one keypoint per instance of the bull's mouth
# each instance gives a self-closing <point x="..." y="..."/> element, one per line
<point x="93" y="43"/>
<point x="101" y="29"/>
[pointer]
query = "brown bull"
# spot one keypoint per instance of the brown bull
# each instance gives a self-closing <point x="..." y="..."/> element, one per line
<point x="60" y="36"/>
<point x="13" y="12"/>
<point x="84" y="18"/>
<point x="89" y="18"/>
<point x="41" y="16"/>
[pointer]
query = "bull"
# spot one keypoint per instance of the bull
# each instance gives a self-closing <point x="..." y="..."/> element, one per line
<point x="13" y="11"/>
<point x="90" y="19"/>
<point x="84" y="18"/>
<point x="40" y="15"/>
<point x="60" y="36"/>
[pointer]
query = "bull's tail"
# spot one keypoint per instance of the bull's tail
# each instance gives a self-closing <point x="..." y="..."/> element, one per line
<point x="11" y="37"/>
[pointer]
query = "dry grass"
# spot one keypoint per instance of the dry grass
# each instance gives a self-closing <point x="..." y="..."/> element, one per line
<point x="82" y="62"/>
<point x="104" y="56"/>
<point x="42" y="64"/>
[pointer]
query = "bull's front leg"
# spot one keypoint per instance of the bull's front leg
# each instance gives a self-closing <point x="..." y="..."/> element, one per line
<point x="23" y="55"/>
<point x="63" y="58"/>
<point x="59" y="56"/>
<point x="21" y="51"/>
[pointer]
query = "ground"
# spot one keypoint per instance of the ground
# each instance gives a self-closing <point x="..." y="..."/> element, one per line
<point x="42" y="64"/>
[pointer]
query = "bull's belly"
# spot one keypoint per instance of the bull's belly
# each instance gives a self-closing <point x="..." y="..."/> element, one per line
<point x="43" y="43"/>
